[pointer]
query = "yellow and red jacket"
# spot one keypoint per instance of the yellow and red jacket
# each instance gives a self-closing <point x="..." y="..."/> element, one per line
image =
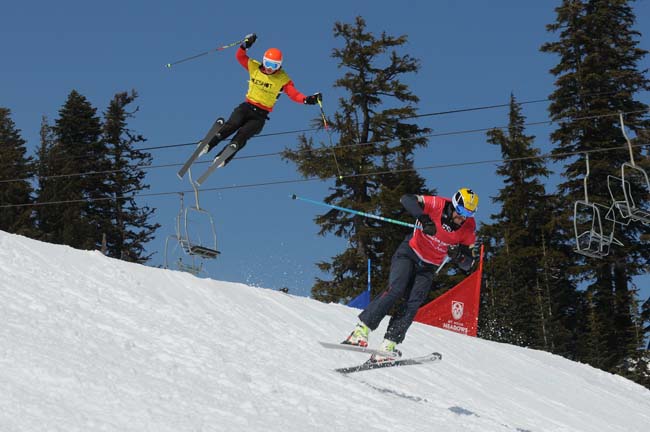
<point x="263" y="89"/>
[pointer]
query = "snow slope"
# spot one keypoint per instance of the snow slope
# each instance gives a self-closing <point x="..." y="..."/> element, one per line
<point x="88" y="343"/>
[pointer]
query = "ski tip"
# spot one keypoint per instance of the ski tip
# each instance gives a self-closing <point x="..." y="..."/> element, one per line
<point x="180" y="177"/>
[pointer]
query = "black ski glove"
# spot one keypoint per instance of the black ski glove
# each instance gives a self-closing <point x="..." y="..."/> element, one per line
<point x="313" y="99"/>
<point x="453" y="251"/>
<point x="428" y="227"/>
<point x="461" y="256"/>
<point x="249" y="40"/>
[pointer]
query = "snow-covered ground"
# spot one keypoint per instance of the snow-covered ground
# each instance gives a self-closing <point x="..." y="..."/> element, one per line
<point x="88" y="343"/>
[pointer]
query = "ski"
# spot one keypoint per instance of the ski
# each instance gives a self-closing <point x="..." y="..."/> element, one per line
<point x="429" y="358"/>
<point x="199" y="148"/>
<point x="355" y="348"/>
<point x="217" y="163"/>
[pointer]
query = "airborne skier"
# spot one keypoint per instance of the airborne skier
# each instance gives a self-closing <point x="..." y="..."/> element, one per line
<point x="266" y="81"/>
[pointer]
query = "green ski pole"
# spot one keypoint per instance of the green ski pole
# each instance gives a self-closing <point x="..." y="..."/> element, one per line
<point x="356" y="212"/>
<point x="368" y="215"/>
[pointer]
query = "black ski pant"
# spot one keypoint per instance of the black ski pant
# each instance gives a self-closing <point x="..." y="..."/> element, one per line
<point x="408" y="286"/>
<point x="247" y="119"/>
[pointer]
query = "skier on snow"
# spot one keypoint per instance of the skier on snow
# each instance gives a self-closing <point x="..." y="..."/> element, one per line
<point x="266" y="81"/>
<point x="448" y="228"/>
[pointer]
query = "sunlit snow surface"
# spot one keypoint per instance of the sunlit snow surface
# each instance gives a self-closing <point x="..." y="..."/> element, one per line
<point x="89" y="343"/>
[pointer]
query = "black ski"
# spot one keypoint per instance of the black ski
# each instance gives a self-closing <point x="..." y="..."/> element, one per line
<point x="217" y="163"/>
<point x="429" y="358"/>
<point x="216" y="127"/>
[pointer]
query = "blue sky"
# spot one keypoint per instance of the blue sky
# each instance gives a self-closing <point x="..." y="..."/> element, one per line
<point x="472" y="54"/>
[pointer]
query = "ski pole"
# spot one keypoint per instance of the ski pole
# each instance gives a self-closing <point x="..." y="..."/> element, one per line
<point x="368" y="215"/>
<point x="445" y="261"/>
<point x="169" y="65"/>
<point x="381" y="218"/>
<point x="329" y="134"/>
<point x="322" y="113"/>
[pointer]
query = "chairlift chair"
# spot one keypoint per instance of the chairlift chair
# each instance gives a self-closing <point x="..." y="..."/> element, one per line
<point x="176" y="242"/>
<point x="633" y="175"/>
<point x="197" y="246"/>
<point x="194" y="248"/>
<point x="619" y="210"/>
<point x="634" y="183"/>
<point x="593" y="241"/>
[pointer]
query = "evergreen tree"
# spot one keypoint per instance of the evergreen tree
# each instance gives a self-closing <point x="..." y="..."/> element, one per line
<point x="523" y="303"/>
<point x="129" y="227"/>
<point x="597" y="77"/>
<point x="372" y="139"/>
<point x="15" y="170"/>
<point x="74" y="192"/>
<point x="43" y="171"/>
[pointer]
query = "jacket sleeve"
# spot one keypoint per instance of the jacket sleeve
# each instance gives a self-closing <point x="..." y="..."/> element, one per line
<point x="242" y="57"/>
<point x="412" y="204"/>
<point x="293" y="93"/>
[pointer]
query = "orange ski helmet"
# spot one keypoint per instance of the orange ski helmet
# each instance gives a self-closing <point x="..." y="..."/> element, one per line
<point x="272" y="59"/>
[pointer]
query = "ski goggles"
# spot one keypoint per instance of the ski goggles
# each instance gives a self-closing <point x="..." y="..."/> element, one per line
<point x="270" y="64"/>
<point x="463" y="211"/>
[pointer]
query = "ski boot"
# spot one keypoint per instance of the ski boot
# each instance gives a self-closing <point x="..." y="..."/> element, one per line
<point x="387" y="346"/>
<point x="212" y="144"/>
<point x="232" y="148"/>
<point x="359" y="336"/>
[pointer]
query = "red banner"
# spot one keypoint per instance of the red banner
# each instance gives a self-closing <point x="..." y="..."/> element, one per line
<point x="457" y="309"/>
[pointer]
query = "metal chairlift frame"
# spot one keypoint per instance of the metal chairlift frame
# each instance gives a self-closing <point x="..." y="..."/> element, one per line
<point x="619" y="206"/>
<point x="593" y="242"/>
<point x="628" y="208"/>
<point x="202" y="250"/>
<point x="179" y="240"/>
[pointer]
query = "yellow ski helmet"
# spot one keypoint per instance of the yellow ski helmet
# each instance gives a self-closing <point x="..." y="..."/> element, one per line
<point x="465" y="202"/>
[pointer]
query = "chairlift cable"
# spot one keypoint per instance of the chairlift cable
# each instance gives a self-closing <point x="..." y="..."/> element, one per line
<point x="461" y="132"/>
